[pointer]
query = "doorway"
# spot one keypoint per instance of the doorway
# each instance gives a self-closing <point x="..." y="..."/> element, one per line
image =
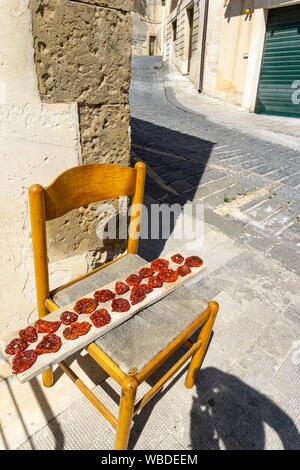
<point x="279" y="85"/>
<point x="152" y="45"/>
<point x="190" y="16"/>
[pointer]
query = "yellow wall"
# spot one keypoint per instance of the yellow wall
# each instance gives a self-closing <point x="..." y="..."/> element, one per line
<point x="234" y="43"/>
<point x="233" y="47"/>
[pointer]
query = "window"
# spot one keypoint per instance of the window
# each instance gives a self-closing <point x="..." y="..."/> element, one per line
<point x="174" y="28"/>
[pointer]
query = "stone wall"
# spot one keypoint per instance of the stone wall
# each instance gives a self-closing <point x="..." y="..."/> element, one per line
<point x="82" y="54"/>
<point x="64" y="81"/>
<point x="180" y="51"/>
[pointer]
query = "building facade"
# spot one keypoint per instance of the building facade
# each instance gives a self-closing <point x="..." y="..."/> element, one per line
<point x="243" y="51"/>
<point x="148" y="20"/>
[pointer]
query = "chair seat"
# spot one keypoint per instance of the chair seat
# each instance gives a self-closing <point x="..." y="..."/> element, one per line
<point x="134" y="343"/>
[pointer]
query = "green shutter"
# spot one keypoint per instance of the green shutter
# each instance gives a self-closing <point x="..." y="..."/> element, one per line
<point x="279" y="83"/>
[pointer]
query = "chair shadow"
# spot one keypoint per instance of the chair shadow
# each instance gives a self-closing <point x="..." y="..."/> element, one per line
<point x="52" y="423"/>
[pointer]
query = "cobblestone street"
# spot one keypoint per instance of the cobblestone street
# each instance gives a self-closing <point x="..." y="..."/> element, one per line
<point x="236" y="175"/>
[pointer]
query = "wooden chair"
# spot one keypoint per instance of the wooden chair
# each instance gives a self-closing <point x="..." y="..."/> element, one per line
<point x="133" y="351"/>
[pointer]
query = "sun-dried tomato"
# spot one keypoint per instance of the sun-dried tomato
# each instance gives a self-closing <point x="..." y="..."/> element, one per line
<point x="168" y="275"/>
<point x="146" y="272"/>
<point x="159" y="264"/>
<point x="100" y="317"/>
<point x="146" y="288"/>
<point x="76" y="329"/>
<point x="178" y="258"/>
<point x="121" y="288"/>
<point x="137" y="295"/>
<point x="49" y="344"/>
<point x="120" y="305"/>
<point x="86" y="305"/>
<point x="133" y="279"/>
<point x="68" y="317"/>
<point x="29" y="334"/>
<point x="69" y="334"/>
<point x="104" y="295"/>
<point x="154" y="281"/>
<point x="15" y="346"/>
<point x="44" y="326"/>
<point x="183" y="270"/>
<point x="23" y="360"/>
<point x="193" y="261"/>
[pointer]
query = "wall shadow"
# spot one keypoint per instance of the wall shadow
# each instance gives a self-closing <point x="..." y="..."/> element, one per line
<point x="176" y="163"/>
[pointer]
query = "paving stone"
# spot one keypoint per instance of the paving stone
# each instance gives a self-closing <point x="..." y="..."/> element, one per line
<point x="287" y="379"/>
<point x="256" y="240"/>
<point x="182" y="186"/>
<point x="251" y="163"/>
<point x="293" y="180"/>
<point x="174" y="176"/>
<point x="218" y="199"/>
<point x="265" y="169"/>
<point x="211" y="187"/>
<point x="292" y="233"/>
<point x="254" y="202"/>
<point x="272" y="204"/>
<point x="287" y="256"/>
<point x="211" y="175"/>
<point x="283" y="172"/>
<point x="164" y="169"/>
<point x="279" y="220"/>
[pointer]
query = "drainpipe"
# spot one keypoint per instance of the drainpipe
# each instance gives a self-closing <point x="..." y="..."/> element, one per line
<point x="163" y="21"/>
<point x="203" y="46"/>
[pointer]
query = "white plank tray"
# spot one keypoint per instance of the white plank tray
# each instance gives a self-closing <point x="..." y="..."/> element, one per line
<point x="70" y="347"/>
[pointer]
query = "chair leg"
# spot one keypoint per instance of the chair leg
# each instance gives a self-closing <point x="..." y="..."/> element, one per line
<point x="204" y="335"/>
<point x="48" y="377"/>
<point x="129" y="388"/>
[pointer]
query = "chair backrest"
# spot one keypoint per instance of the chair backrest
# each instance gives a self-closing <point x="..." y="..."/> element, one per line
<point x="77" y="187"/>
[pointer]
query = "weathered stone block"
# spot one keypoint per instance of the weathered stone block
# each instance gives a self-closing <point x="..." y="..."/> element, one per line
<point x="104" y="133"/>
<point x="82" y="52"/>
<point x="125" y="5"/>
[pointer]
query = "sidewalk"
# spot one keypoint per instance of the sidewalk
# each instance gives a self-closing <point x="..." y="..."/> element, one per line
<point x="247" y="393"/>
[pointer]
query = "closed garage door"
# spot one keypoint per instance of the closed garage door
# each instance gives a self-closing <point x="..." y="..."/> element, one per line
<point x="279" y="83"/>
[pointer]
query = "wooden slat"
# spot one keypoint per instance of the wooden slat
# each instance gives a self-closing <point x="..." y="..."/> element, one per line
<point x="85" y="184"/>
<point x="68" y="348"/>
